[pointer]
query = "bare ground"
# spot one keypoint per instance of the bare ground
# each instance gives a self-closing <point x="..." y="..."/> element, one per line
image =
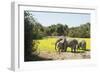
<point x="64" y="55"/>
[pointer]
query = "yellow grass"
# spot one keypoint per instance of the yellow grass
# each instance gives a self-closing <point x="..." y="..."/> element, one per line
<point x="48" y="44"/>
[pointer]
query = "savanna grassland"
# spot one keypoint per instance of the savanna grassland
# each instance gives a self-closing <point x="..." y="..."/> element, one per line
<point x="48" y="44"/>
<point x="46" y="49"/>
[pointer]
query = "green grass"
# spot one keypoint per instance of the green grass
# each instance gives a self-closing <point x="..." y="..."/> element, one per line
<point x="48" y="44"/>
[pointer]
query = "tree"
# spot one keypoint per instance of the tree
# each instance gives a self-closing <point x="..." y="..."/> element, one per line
<point x="60" y="29"/>
<point x="29" y="24"/>
<point x="66" y="30"/>
<point x="82" y="31"/>
<point x="38" y="31"/>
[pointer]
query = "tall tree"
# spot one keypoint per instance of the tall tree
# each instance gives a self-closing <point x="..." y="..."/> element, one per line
<point x="60" y="29"/>
<point x="29" y="23"/>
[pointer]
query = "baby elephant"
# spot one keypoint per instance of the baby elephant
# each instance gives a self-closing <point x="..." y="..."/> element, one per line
<point x="82" y="45"/>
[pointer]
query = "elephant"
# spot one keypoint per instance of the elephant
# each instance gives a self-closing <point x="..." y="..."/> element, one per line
<point x="73" y="44"/>
<point x="62" y="45"/>
<point x="82" y="45"/>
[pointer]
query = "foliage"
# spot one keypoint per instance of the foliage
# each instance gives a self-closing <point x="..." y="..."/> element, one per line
<point x="28" y="25"/>
<point x="35" y="45"/>
<point x="82" y="31"/>
<point x="31" y="33"/>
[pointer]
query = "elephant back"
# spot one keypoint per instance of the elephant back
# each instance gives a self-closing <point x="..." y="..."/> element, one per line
<point x="72" y="42"/>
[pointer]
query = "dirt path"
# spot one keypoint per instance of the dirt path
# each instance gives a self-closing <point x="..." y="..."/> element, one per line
<point x="65" y="55"/>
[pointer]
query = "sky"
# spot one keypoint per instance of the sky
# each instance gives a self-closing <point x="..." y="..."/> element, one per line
<point x="71" y="19"/>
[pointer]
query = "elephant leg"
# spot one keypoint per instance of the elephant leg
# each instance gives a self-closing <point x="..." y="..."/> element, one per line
<point x="65" y="50"/>
<point x="74" y="50"/>
<point x="62" y="50"/>
<point x="71" y="49"/>
<point x="59" y="50"/>
<point x="85" y="48"/>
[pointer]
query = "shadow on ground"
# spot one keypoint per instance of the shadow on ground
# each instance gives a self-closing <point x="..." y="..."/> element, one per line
<point x="37" y="58"/>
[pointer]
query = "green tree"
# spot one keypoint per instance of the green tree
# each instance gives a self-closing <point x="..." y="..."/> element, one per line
<point x="66" y="30"/>
<point x="60" y="29"/>
<point x="38" y="31"/>
<point x="82" y="31"/>
<point x="29" y="24"/>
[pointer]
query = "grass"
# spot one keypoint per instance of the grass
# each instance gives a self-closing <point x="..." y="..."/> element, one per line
<point x="48" y="44"/>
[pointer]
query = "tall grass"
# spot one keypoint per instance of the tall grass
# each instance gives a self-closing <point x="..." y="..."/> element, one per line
<point x="48" y="44"/>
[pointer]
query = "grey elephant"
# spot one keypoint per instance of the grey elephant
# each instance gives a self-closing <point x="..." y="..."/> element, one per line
<point x="82" y="45"/>
<point x="73" y="44"/>
<point x="62" y="44"/>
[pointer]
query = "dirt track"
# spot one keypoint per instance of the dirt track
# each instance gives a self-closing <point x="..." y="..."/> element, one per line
<point x="65" y="55"/>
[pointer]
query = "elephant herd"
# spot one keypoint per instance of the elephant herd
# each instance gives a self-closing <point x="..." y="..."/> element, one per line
<point x="62" y="44"/>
